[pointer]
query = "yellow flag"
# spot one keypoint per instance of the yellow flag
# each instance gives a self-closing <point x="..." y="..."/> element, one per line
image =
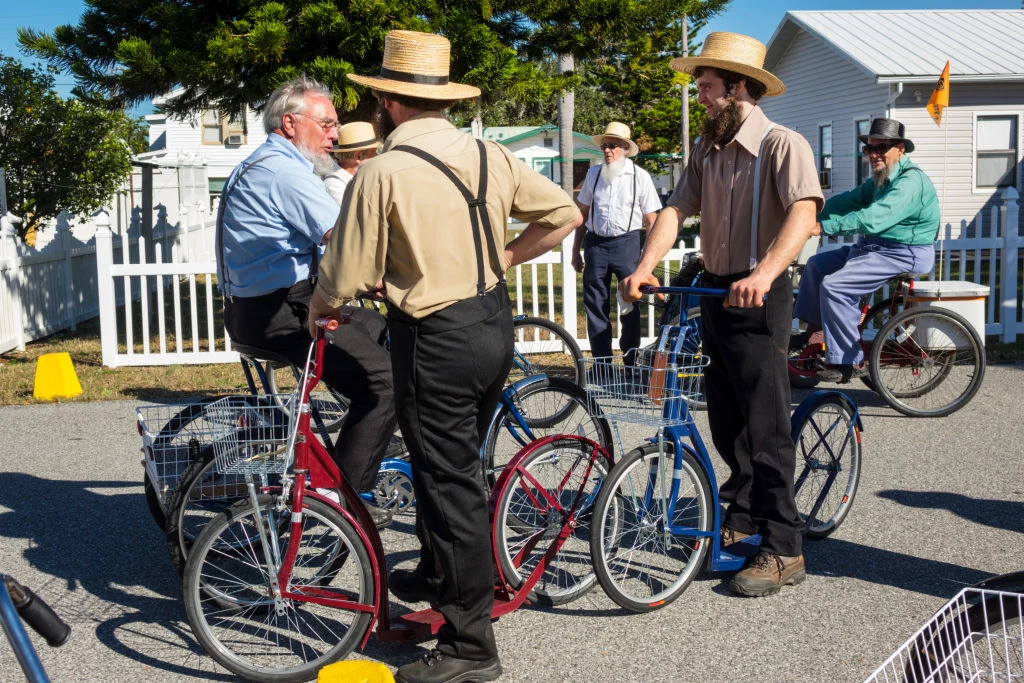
<point x="940" y="97"/>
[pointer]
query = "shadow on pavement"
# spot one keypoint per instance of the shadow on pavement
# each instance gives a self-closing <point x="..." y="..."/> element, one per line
<point x="998" y="514"/>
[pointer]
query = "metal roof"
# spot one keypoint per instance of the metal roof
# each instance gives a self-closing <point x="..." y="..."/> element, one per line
<point x="981" y="45"/>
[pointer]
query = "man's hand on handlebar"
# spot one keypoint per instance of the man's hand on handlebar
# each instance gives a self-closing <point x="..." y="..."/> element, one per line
<point x="630" y="286"/>
<point x="749" y="292"/>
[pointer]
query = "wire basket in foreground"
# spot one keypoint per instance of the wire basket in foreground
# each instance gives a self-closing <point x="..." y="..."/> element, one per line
<point x="653" y="391"/>
<point x="250" y="438"/>
<point x="976" y="636"/>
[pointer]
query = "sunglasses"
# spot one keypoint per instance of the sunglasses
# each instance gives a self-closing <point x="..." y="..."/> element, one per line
<point x="878" y="149"/>
<point x="610" y="145"/>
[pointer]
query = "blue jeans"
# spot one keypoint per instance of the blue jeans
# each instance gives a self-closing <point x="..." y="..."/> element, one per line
<point x="834" y="282"/>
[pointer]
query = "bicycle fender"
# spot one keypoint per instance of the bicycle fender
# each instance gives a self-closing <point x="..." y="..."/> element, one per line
<point x="814" y="399"/>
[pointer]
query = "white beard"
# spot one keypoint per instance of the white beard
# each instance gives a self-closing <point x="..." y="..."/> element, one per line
<point x="610" y="172"/>
<point x="323" y="163"/>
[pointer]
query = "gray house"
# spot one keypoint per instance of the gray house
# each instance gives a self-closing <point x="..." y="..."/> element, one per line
<point x="841" y="69"/>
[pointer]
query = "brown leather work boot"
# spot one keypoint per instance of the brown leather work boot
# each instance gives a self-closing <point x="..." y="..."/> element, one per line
<point x="767" y="574"/>
<point x="731" y="536"/>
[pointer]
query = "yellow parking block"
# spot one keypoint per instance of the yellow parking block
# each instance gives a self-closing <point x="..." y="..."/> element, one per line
<point x="55" y="377"/>
<point x="356" y="671"/>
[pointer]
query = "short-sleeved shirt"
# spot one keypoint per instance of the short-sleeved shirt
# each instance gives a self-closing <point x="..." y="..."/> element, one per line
<point x="718" y="184"/>
<point x="275" y="217"/>
<point x="620" y="206"/>
<point x="336" y="183"/>
<point x="404" y="221"/>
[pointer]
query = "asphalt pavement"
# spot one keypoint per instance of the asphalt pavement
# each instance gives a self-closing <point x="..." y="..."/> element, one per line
<point x="940" y="506"/>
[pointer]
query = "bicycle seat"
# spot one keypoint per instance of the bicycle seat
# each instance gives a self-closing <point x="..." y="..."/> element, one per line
<point x="256" y="353"/>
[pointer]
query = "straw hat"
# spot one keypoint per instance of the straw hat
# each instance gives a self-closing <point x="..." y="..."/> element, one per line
<point x="355" y="136"/>
<point x="619" y="131"/>
<point x="888" y="129"/>
<point x="416" y="64"/>
<point x="732" y="52"/>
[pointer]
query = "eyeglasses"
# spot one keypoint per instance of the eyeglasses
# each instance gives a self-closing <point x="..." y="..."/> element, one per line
<point x="610" y="145"/>
<point x="878" y="149"/>
<point x="327" y="124"/>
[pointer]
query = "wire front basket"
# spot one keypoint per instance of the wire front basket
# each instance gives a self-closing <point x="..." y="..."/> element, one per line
<point x="251" y="438"/>
<point x="976" y="636"/>
<point x="652" y="391"/>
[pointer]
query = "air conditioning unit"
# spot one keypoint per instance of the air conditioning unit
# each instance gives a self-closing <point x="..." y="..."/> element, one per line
<point x="236" y="139"/>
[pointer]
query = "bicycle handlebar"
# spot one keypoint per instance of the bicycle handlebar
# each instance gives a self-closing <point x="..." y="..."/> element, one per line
<point x="696" y="291"/>
<point x="330" y="324"/>
<point x="37" y="614"/>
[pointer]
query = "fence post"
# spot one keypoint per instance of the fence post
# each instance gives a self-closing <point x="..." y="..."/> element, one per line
<point x="69" y="287"/>
<point x="105" y="283"/>
<point x="9" y="250"/>
<point x="1009" y="218"/>
<point x="569" y="297"/>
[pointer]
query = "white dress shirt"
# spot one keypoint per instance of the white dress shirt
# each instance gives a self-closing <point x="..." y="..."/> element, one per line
<point x="337" y="182"/>
<point x="620" y="207"/>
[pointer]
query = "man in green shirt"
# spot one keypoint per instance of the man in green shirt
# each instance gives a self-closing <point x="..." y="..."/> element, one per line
<point x="896" y="214"/>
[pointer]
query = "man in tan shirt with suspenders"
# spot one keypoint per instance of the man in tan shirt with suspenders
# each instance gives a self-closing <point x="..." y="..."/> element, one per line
<point x="756" y="189"/>
<point x="428" y="217"/>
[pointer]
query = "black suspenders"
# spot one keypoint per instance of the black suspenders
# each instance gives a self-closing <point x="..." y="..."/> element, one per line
<point x="593" y="193"/>
<point x="478" y="217"/>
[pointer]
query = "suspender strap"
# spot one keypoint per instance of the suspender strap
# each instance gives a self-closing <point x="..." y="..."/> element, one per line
<point x="593" y="193"/>
<point x="756" y="209"/>
<point x="478" y="217"/>
<point x="220" y="225"/>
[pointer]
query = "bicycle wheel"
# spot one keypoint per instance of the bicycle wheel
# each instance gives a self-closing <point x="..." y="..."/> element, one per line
<point x="927" y="362"/>
<point x="330" y="404"/>
<point x="554" y="486"/>
<point x="541" y="408"/>
<point x="232" y="611"/>
<point x="544" y="347"/>
<point x="827" y="464"/>
<point x="803" y="362"/>
<point x="651" y="530"/>
<point x="874" y="320"/>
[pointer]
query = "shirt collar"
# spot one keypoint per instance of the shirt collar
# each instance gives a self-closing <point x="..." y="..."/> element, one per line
<point x="420" y="124"/>
<point x="752" y="130"/>
<point x="280" y="144"/>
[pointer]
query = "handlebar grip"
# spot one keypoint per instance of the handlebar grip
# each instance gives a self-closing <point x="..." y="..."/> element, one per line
<point x="38" y="614"/>
<point x="329" y="324"/>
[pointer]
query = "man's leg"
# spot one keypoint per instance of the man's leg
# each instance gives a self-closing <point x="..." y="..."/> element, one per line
<point x="808" y="298"/>
<point x="866" y="269"/>
<point x="440" y="419"/>
<point x="596" y="282"/>
<point x="624" y="260"/>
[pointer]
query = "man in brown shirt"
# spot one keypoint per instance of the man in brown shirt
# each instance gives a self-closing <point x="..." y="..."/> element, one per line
<point x="427" y="220"/>
<point x="747" y="247"/>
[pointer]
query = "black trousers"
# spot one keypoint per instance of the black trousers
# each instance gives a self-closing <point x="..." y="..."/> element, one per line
<point x="747" y="385"/>
<point x="449" y="372"/>
<point x="602" y="258"/>
<point x="356" y="364"/>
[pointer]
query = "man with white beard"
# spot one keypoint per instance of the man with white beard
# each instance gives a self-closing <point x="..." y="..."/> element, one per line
<point x="618" y="202"/>
<point x="274" y="214"/>
<point x="896" y="215"/>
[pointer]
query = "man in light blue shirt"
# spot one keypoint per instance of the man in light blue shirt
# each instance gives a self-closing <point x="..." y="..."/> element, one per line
<point x="274" y="214"/>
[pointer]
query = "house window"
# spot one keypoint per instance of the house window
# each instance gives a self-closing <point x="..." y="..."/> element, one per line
<point x="549" y="142"/>
<point x="221" y="128"/>
<point x="995" y="147"/>
<point x="825" y="156"/>
<point x="544" y="167"/>
<point x="862" y="127"/>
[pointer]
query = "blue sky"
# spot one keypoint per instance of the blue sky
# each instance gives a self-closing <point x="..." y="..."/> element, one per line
<point x="757" y="18"/>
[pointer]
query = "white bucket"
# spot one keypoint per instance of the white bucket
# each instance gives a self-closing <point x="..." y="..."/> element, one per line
<point x="965" y="298"/>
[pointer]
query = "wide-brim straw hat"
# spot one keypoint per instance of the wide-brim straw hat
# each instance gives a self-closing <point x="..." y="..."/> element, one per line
<point x="620" y="131"/>
<point x="355" y="136"/>
<point x="416" y="64"/>
<point x="888" y="129"/>
<point x="733" y="52"/>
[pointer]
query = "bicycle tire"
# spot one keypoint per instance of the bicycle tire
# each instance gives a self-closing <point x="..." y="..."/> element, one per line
<point x="874" y="320"/>
<point x="234" y="618"/>
<point x="552" y="351"/>
<point x="542" y="408"/>
<point x="638" y="563"/>
<point x="828" y="464"/>
<point x="533" y="508"/>
<point x="927" y="362"/>
<point x="332" y="405"/>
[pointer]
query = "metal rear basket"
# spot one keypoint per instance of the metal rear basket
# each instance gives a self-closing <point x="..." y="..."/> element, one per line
<point x="250" y="438"/>
<point x="652" y="392"/>
<point x="976" y="636"/>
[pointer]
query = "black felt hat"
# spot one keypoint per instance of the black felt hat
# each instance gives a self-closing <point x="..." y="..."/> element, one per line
<point x="888" y="129"/>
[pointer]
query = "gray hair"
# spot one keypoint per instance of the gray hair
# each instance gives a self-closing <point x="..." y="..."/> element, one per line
<point x="290" y="98"/>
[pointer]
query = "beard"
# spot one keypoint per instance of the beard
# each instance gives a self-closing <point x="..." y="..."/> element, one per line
<point x="722" y="128"/>
<point x="382" y="121"/>
<point x="323" y="163"/>
<point x="881" y="176"/>
<point x="610" y="172"/>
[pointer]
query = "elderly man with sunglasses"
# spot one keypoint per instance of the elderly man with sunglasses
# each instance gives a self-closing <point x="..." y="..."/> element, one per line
<point x="619" y="202"/>
<point x="896" y="214"/>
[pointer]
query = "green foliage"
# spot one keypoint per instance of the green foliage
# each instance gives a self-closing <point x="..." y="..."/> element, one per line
<point x="59" y="155"/>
